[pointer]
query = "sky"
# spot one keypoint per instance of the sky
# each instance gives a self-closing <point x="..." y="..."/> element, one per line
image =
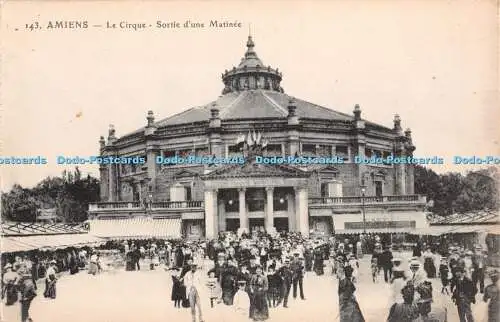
<point x="435" y="63"/>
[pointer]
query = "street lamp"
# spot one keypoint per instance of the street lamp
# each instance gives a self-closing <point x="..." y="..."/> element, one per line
<point x="363" y="190"/>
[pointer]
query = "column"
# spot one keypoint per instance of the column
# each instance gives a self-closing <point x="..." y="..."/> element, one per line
<point x="112" y="182"/>
<point x="151" y="163"/>
<point x="243" y="211"/>
<point x="221" y="215"/>
<point x="400" y="177"/>
<point x="302" y="210"/>
<point x="269" y="219"/>
<point x="291" y="212"/>
<point x="210" y="214"/>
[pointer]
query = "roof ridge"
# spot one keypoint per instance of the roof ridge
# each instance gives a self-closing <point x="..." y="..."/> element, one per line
<point x="280" y="108"/>
<point x="325" y="108"/>
<point x="227" y="107"/>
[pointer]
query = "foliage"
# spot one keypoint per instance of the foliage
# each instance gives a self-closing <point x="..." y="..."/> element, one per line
<point x="455" y="193"/>
<point x="70" y="194"/>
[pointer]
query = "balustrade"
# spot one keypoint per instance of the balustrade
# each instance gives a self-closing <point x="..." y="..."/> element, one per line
<point x="153" y="205"/>
<point x="368" y="200"/>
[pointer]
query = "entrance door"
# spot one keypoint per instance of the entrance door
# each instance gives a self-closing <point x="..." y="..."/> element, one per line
<point x="232" y="224"/>
<point x="256" y="224"/>
<point x="281" y="224"/>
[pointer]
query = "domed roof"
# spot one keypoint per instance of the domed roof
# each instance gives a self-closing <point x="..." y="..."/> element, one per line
<point x="254" y="92"/>
<point x="254" y="104"/>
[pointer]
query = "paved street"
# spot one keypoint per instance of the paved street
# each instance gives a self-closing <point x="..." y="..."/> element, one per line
<point x="145" y="296"/>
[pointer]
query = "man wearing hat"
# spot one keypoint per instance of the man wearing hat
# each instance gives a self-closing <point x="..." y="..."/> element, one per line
<point x="464" y="292"/>
<point x="192" y="281"/>
<point x="287" y="276"/>
<point x="478" y="264"/>
<point x="50" y="281"/>
<point x="417" y="274"/>
<point x="385" y="261"/>
<point x="28" y="293"/>
<point x="492" y="293"/>
<point x="297" y="267"/>
<point x="445" y="275"/>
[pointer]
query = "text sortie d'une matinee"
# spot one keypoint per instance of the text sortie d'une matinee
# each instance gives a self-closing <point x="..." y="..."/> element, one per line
<point x="276" y="160"/>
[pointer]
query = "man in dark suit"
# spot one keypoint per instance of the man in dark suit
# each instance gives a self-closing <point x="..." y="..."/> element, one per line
<point x="297" y="268"/>
<point x="287" y="276"/>
<point x="479" y="264"/>
<point x="464" y="292"/>
<point x="385" y="260"/>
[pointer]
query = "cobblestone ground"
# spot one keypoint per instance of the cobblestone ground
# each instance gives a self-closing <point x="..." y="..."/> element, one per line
<point x="121" y="296"/>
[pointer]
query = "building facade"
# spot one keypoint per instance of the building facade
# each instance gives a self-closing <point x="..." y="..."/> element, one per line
<point x="255" y="117"/>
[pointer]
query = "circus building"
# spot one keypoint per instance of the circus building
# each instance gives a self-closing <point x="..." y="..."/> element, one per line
<point x="255" y="117"/>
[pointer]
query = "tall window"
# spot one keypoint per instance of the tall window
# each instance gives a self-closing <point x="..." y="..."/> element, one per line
<point x="308" y="149"/>
<point x="323" y="150"/>
<point x="378" y="188"/>
<point x="234" y="150"/>
<point x="324" y="190"/>
<point x="201" y="151"/>
<point x="188" y="193"/>
<point x="342" y="151"/>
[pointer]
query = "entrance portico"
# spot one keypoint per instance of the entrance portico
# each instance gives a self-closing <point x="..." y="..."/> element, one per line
<point x="256" y="196"/>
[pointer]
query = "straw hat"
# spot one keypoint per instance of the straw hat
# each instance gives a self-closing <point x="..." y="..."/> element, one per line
<point x="414" y="263"/>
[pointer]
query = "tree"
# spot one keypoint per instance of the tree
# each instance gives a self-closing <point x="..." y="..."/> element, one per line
<point x="455" y="193"/>
<point x="69" y="194"/>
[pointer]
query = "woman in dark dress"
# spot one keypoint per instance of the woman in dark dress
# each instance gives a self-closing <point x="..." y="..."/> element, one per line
<point x="318" y="262"/>
<point x="259" y="311"/>
<point x="178" y="290"/>
<point x="348" y="305"/>
<point x="406" y="311"/>
<point x="309" y="259"/>
<point x="429" y="266"/>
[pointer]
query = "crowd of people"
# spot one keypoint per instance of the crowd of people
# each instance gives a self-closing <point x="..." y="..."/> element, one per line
<point x="255" y="273"/>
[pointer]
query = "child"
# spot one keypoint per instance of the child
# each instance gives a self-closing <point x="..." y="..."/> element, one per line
<point x="374" y="266"/>
<point x="242" y="300"/>
<point x="178" y="289"/>
<point x="444" y="274"/>
<point x="353" y="262"/>
<point x="212" y="288"/>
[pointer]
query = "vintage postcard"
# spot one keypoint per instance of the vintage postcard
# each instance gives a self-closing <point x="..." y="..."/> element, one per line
<point x="249" y="160"/>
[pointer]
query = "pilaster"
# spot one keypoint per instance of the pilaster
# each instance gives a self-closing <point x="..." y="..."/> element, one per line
<point x="302" y="211"/>
<point x="244" y="222"/>
<point x="269" y="219"/>
<point x="210" y="214"/>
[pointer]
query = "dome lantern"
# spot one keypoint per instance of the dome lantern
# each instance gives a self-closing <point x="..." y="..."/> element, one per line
<point x="251" y="74"/>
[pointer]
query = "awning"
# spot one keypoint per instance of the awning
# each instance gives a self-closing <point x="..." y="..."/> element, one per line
<point x="25" y="243"/>
<point x="435" y="230"/>
<point x="375" y="231"/>
<point x="136" y="228"/>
